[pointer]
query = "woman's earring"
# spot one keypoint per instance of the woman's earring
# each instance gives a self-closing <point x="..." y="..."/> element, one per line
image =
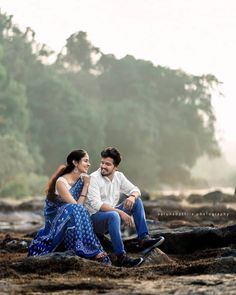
<point x="76" y="170"/>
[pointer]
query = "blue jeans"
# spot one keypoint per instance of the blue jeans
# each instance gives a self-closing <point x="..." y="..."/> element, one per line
<point x="110" y="221"/>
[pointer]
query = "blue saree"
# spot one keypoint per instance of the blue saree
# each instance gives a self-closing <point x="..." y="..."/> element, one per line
<point x="69" y="224"/>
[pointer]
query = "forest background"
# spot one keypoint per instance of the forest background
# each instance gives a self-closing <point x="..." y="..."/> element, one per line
<point x="161" y="119"/>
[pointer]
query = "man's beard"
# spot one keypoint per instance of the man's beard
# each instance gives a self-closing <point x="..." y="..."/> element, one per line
<point x="104" y="172"/>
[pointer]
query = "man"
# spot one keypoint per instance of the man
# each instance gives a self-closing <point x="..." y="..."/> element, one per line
<point x="105" y="187"/>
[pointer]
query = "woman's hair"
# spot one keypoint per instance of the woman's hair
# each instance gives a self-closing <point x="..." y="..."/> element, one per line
<point x="75" y="155"/>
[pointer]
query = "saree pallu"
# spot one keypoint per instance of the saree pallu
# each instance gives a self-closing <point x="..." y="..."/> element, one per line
<point x="69" y="224"/>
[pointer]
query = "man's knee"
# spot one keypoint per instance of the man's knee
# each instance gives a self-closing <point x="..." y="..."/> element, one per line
<point x="138" y="204"/>
<point x="105" y="217"/>
<point x="113" y="216"/>
<point x="138" y="201"/>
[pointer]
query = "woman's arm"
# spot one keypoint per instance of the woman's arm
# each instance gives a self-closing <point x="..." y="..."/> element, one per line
<point x="83" y="194"/>
<point x="64" y="193"/>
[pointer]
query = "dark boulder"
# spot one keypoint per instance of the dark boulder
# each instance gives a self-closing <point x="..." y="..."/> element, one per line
<point x="195" y="199"/>
<point x="34" y="205"/>
<point x="214" y="197"/>
<point x="11" y="244"/>
<point x="187" y="240"/>
<point x="6" y="207"/>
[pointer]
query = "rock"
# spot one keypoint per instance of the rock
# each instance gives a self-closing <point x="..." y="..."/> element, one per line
<point x="53" y="262"/>
<point x="20" y="221"/>
<point x="145" y="196"/>
<point x="34" y="205"/>
<point x="229" y="253"/>
<point x="212" y="214"/>
<point x="187" y="240"/>
<point x="6" y="207"/>
<point x="172" y="198"/>
<point x="222" y="265"/>
<point x="214" y="197"/>
<point x="61" y="262"/>
<point x="10" y="244"/>
<point x="226" y="198"/>
<point x="218" y="197"/>
<point x="182" y="223"/>
<point x="60" y="254"/>
<point x="31" y="234"/>
<point x="16" y="245"/>
<point x="157" y="257"/>
<point x="195" y="199"/>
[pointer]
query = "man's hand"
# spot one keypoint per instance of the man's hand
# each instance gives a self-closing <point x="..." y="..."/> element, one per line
<point x="126" y="218"/>
<point x="129" y="202"/>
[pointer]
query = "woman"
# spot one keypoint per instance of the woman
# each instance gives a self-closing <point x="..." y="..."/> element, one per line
<point x="67" y="222"/>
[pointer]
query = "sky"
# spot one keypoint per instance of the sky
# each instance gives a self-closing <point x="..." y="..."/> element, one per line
<point x="197" y="36"/>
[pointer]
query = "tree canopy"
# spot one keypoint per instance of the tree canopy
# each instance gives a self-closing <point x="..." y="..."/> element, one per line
<point x="161" y="119"/>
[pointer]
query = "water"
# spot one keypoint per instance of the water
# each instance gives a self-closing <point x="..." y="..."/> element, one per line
<point x="20" y="221"/>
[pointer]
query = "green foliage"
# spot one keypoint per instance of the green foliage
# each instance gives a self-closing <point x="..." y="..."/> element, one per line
<point x="24" y="185"/>
<point x="13" y="111"/>
<point x="16" y="187"/>
<point x="15" y="160"/>
<point x="161" y="119"/>
<point x="36" y="184"/>
<point x="157" y="116"/>
<point x="79" y="53"/>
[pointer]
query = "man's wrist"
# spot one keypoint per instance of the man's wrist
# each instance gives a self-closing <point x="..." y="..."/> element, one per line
<point x="133" y="195"/>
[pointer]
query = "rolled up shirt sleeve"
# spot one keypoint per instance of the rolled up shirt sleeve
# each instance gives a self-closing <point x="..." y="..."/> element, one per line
<point x="128" y="187"/>
<point x="94" y="196"/>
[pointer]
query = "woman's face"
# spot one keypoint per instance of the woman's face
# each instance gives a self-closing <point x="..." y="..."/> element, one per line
<point x="83" y="164"/>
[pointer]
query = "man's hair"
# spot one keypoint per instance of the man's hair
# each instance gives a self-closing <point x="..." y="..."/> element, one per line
<point x="113" y="153"/>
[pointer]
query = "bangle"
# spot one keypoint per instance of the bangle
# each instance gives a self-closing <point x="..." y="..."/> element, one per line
<point x="83" y="196"/>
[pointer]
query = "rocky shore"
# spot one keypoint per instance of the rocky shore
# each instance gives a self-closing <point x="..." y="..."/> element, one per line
<point x="198" y="256"/>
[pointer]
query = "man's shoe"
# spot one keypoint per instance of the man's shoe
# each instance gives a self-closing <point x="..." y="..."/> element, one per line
<point x="125" y="261"/>
<point x="150" y="243"/>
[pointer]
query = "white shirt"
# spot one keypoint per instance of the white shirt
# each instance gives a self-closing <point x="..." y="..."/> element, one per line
<point x="103" y="190"/>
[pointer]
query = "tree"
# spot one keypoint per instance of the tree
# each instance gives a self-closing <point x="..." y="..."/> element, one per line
<point x="161" y="119"/>
<point x="15" y="160"/>
<point x="78" y="53"/>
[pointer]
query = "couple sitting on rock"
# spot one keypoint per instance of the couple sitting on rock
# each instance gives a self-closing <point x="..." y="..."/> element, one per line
<point x="79" y="206"/>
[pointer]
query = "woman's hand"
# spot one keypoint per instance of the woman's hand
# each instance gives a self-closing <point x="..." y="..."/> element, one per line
<point x="65" y="193"/>
<point x="84" y="191"/>
<point x="86" y="179"/>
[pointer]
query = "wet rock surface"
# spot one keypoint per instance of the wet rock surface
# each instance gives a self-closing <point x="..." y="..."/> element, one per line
<point x="213" y="197"/>
<point x="198" y="256"/>
<point x="34" y="205"/>
<point x="186" y="240"/>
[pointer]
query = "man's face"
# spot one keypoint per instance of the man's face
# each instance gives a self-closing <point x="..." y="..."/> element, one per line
<point x="107" y="166"/>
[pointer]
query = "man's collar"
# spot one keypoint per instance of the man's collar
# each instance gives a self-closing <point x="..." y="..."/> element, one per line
<point x="105" y="177"/>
